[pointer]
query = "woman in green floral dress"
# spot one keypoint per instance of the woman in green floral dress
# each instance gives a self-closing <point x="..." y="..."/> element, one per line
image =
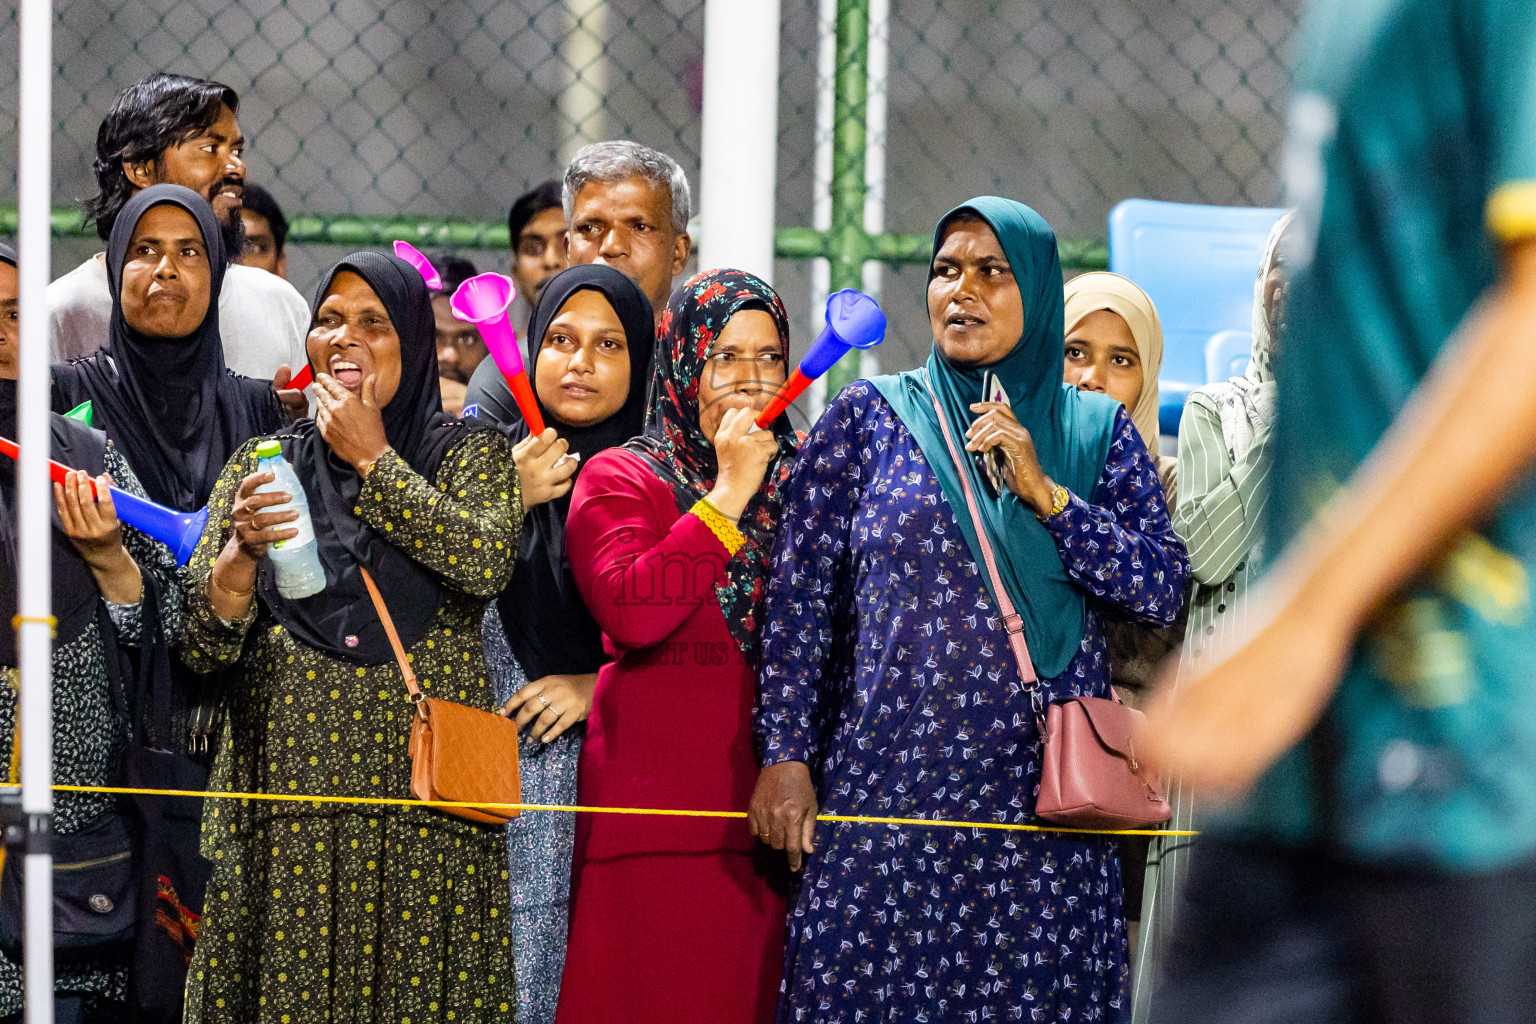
<point x="327" y="912"/>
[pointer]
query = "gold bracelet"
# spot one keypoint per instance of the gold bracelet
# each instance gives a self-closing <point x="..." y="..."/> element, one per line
<point x="228" y="592"/>
<point x="366" y="468"/>
<point x="719" y="524"/>
<point x="1060" y="499"/>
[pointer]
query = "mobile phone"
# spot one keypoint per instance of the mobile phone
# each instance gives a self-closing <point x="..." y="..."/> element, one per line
<point x="993" y="462"/>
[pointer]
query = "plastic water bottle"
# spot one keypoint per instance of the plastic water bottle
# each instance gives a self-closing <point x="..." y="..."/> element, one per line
<point x="297" y="560"/>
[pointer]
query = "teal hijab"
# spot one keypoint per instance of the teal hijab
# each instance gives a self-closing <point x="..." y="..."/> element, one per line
<point x="1072" y="431"/>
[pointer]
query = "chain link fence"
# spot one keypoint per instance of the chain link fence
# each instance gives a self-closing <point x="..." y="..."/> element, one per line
<point x="452" y="108"/>
<point x="411" y="107"/>
<point x="1070" y="106"/>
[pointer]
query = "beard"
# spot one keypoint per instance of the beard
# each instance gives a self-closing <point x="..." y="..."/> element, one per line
<point x="233" y="230"/>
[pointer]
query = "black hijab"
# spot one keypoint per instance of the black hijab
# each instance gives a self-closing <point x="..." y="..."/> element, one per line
<point x="420" y="434"/>
<point x="169" y="404"/>
<point x="546" y="621"/>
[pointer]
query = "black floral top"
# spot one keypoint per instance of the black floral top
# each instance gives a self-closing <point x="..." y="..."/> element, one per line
<point x="87" y="736"/>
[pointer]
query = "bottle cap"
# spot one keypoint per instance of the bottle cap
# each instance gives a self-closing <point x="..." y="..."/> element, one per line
<point x="268" y="448"/>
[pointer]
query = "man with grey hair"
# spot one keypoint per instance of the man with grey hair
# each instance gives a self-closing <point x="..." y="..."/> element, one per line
<point x="628" y="207"/>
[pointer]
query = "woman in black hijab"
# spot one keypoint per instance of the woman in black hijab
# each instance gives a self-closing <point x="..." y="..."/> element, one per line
<point x="589" y="352"/>
<point x="160" y="389"/>
<point x="102" y="574"/>
<point x="549" y="628"/>
<point x="321" y="912"/>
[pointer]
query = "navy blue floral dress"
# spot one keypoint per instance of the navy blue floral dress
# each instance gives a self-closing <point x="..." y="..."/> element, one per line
<point x="886" y="669"/>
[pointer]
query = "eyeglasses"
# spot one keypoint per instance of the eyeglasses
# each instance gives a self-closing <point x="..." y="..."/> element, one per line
<point x="767" y="360"/>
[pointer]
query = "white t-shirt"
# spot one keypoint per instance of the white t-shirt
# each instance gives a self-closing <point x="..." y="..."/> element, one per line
<point x="263" y="320"/>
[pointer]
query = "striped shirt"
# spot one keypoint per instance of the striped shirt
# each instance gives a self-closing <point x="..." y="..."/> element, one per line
<point x="1218" y="518"/>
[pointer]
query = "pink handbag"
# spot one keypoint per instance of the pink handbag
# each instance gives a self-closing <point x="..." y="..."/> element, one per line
<point x="1090" y="777"/>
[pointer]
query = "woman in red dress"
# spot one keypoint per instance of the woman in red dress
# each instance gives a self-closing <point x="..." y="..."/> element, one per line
<point x="681" y="919"/>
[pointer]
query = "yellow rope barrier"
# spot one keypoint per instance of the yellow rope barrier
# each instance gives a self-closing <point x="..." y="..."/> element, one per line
<point x="37" y="620"/>
<point x="855" y="819"/>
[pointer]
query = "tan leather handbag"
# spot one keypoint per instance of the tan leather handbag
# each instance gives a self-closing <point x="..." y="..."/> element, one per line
<point x="458" y="753"/>
<point x="1089" y="775"/>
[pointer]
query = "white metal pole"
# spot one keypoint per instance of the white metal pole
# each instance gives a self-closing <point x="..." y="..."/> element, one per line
<point x="874" y="154"/>
<point x="740" y="135"/>
<point x="34" y="498"/>
<point x="583" y="116"/>
<point x="821" y="179"/>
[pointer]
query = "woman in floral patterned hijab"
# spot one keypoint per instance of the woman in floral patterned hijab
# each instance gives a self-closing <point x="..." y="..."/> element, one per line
<point x="669" y="539"/>
<point x="680" y="425"/>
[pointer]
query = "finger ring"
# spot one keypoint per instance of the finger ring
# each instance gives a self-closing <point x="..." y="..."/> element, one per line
<point x="542" y="699"/>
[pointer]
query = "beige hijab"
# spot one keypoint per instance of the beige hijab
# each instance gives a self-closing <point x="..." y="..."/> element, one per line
<point x="1242" y="413"/>
<point x="1089" y="293"/>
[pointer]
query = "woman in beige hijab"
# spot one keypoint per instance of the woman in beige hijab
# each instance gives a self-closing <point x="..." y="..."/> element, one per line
<point x="1115" y="345"/>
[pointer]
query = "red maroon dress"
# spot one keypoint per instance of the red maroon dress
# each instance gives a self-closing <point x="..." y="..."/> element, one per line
<point x="672" y="919"/>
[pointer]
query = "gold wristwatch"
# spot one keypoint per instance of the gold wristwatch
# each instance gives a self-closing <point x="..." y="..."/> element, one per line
<point x="1060" y="499"/>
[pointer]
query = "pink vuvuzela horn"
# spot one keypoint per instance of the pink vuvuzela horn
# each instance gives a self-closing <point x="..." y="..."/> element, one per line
<point x="424" y="267"/>
<point x="484" y="301"/>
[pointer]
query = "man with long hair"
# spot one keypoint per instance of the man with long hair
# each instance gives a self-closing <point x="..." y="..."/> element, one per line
<point x="179" y="130"/>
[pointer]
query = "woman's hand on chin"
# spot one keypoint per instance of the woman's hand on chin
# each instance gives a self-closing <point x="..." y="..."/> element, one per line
<point x="743" y="455"/>
<point x="543" y="471"/>
<point x="351" y="424"/>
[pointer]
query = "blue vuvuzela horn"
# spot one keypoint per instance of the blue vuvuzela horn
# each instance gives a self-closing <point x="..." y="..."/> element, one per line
<point x="178" y="531"/>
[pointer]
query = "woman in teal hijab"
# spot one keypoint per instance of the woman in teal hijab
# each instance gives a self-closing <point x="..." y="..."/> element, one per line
<point x="1070" y="430"/>
<point x="888" y="683"/>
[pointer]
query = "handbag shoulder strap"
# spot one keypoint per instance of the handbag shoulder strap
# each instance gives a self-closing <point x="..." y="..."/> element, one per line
<point x="394" y="638"/>
<point x="1013" y="622"/>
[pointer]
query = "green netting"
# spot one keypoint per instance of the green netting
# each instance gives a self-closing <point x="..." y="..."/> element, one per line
<point x="371" y="119"/>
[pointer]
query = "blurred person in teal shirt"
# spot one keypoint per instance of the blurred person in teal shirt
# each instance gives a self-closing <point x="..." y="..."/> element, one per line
<point x="1374" y="735"/>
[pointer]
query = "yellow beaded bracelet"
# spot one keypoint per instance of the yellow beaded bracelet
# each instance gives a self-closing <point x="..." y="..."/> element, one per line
<point x="719" y="524"/>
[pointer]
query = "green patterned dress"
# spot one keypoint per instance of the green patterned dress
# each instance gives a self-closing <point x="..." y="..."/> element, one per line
<point x="355" y="913"/>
